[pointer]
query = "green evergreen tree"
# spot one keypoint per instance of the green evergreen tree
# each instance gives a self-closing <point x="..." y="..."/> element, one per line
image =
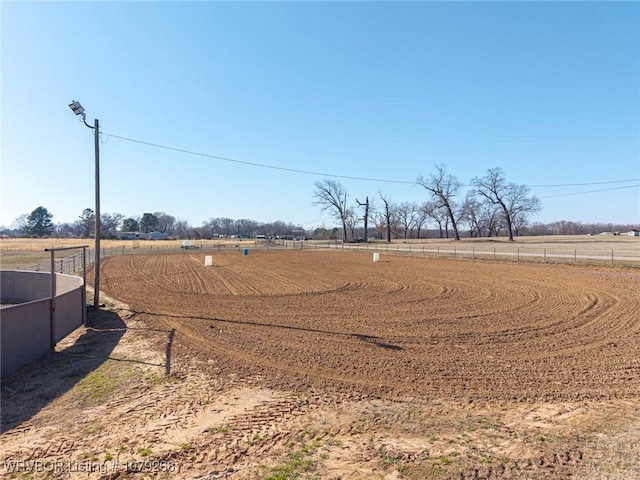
<point x="130" y="225"/>
<point x="149" y="222"/>
<point x="40" y="223"/>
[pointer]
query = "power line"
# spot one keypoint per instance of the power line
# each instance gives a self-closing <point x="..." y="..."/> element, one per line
<point x="586" y="184"/>
<point x="254" y="164"/>
<point x="332" y="175"/>
<point x="591" y="191"/>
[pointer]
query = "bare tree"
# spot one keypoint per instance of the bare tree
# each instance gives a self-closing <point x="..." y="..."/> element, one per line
<point x="351" y="221"/>
<point x="245" y="227"/>
<point x="405" y="213"/>
<point x="421" y="220"/>
<point x="20" y="223"/>
<point x="166" y="223"/>
<point x="438" y="214"/>
<point x="182" y="228"/>
<point x="443" y="187"/>
<point x="379" y="222"/>
<point x="387" y="212"/>
<point x="109" y="223"/>
<point x="472" y="215"/>
<point x="512" y="199"/>
<point x="332" y="197"/>
<point x="227" y="226"/>
<point x="493" y="219"/>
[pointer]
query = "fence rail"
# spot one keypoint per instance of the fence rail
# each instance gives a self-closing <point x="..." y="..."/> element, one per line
<point x="508" y="253"/>
<point x="72" y="264"/>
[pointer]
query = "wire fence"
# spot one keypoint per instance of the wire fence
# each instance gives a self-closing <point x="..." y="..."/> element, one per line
<point x="68" y="264"/>
<point x="533" y="254"/>
<point x="72" y="263"/>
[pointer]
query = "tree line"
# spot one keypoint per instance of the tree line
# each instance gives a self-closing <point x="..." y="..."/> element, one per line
<point x="492" y="207"/>
<point x="39" y="223"/>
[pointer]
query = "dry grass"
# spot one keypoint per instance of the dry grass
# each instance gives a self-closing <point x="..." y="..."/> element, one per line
<point x="614" y="455"/>
<point x="581" y="242"/>
<point x="10" y="246"/>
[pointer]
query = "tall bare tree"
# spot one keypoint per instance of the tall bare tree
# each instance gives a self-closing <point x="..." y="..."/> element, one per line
<point x="443" y="187"/>
<point x="332" y="197"/>
<point x="387" y="212"/>
<point x="513" y="200"/>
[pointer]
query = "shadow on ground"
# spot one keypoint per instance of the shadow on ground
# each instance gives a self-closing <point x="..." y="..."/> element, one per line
<point x="29" y="389"/>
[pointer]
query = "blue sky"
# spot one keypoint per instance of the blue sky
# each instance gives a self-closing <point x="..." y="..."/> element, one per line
<point x="549" y="92"/>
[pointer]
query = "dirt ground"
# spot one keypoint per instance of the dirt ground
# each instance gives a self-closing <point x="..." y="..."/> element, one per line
<point x="316" y="364"/>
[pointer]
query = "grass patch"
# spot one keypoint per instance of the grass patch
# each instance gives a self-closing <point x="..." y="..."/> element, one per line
<point x="144" y="452"/>
<point x="101" y="384"/>
<point x="296" y="465"/>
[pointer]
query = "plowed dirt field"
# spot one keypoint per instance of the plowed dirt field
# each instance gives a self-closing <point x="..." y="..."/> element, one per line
<point x="325" y="365"/>
<point x="402" y="326"/>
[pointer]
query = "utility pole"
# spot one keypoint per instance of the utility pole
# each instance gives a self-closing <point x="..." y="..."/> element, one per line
<point x="79" y="110"/>
<point x="366" y="217"/>
<point x="96" y="281"/>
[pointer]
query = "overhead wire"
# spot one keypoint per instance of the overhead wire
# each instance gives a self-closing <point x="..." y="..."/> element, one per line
<point x="366" y="179"/>
<point x="591" y="191"/>
<point x="262" y="165"/>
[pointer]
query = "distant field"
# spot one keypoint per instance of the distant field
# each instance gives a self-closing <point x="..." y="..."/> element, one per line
<point x="597" y="242"/>
<point x="21" y="245"/>
<point x="21" y="252"/>
<point x="597" y="249"/>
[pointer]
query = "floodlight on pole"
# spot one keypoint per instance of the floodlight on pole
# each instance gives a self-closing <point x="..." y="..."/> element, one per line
<point x="79" y="110"/>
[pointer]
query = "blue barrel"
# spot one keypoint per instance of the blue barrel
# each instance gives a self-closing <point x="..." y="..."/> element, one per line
<point x="245" y="251"/>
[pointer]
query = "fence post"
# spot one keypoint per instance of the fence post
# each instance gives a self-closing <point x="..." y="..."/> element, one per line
<point x="52" y="311"/>
<point x="544" y="255"/>
<point x="518" y="254"/>
<point x="612" y="256"/>
<point x="494" y="253"/>
<point x="474" y="252"/>
<point x="575" y="256"/>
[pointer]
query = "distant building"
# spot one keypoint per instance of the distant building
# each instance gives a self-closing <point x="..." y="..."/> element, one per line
<point x="158" y="236"/>
<point x="634" y="233"/>
<point x="132" y="235"/>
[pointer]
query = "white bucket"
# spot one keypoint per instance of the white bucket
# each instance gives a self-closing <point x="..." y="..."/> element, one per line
<point x="208" y="260"/>
<point x="376" y="257"/>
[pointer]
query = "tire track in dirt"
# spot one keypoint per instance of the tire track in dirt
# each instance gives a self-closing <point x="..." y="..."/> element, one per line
<point x="410" y="326"/>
